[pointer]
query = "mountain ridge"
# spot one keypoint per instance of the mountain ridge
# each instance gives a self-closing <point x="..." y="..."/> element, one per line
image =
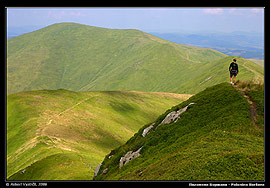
<point x="47" y="128"/>
<point x="213" y="138"/>
<point x="92" y="88"/>
<point x="247" y="45"/>
<point x="82" y="58"/>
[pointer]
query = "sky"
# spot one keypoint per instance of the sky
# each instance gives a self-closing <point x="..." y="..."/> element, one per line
<point x="145" y="19"/>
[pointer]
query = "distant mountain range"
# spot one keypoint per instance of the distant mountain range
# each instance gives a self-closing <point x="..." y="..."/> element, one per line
<point x="68" y="106"/>
<point x="244" y="44"/>
<point x="247" y="45"/>
<point x="14" y="31"/>
<point x="85" y="58"/>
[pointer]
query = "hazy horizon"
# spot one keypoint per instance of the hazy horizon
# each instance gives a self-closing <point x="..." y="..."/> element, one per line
<point x="163" y="20"/>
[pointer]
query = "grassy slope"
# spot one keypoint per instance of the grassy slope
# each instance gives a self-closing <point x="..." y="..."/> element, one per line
<point x="258" y="61"/>
<point x="216" y="72"/>
<point x="82" y="58"/>
<point x="60" y="134"/>
<point x="214" y="140"/>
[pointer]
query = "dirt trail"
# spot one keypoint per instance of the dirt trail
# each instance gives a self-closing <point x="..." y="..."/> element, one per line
<point x="55" y="142"/>
<point x="50" y="120"/>
<point x="55" y="117"/>
<point x="73" y="106"/>
<point x="252" y="107"/>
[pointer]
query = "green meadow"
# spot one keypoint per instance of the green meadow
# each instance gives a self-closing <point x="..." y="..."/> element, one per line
<point x="215" y="139"/>
<point x="84" y="58"/>
<point x="80" y="95"/>
<point x="60" y="134"/>
<point x="77" y="57"/>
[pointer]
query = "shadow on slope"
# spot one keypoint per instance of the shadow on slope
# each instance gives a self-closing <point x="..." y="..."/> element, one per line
<point x="214" y="139"/>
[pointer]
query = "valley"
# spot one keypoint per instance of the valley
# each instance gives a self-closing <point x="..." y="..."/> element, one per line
<point x="245" y="44"/>
<point x="79" y="93"/>
<point x="80" y="127"/>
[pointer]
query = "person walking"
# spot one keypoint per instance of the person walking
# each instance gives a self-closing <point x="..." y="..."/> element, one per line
<point x="233" y="69"/>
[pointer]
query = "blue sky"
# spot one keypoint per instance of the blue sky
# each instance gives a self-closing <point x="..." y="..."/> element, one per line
<point x="145" y="19"/>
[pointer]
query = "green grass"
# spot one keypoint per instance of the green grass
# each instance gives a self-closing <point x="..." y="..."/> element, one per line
<point x="83" y="58"/>
<point x="215" y="139"/>
<point x="60" y="166"/>
<point x="258" y="61"/>
<point x="46" y="124"/>
<point x="215" y="72"/>
<point x="73" y="131"/>
<point x="256" y="93"/>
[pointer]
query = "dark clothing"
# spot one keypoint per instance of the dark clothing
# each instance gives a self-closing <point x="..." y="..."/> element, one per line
<point x="233" y="69"/>
<point x="233" y="66"/>
<point x="233" y="73"/>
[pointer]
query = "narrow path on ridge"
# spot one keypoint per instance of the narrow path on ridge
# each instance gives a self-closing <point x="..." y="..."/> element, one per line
<point x="252" y="106"/>
<point x="53" y="118"/>
<point x="68" y="109"/>
<point x="73" y="106"/>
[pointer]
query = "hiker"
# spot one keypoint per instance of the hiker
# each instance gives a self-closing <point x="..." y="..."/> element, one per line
<point x="233" y="71"/>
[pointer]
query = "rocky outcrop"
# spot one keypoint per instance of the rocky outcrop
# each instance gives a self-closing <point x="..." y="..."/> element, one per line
<point x="97" y="170"/>
<point x="129" y="156"/>
<point x="174" y="116"/>
<point x="171" y="117"/>
<point x="146" y="130"/>
<point x="105" y="171"/>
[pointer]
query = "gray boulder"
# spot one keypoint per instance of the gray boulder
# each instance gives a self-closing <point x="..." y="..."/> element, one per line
<point x="129" y="156"/>
<point x="105" y="171"/>
<point x="146" y="130"/>
<point x="97" y="169"/>
<point x="174" y="116"/>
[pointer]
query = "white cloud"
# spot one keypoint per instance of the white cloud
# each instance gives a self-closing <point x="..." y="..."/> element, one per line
<point x="213" y="11"/>
<point x="63" y="14"/>
<point x="78" y="14"/>
<point x="232" y="10"/>
<point x="257" y="10"/>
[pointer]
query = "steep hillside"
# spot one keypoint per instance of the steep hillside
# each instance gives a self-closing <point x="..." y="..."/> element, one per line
<point x="212" y="73"/>
<point x="83" y="58"/>
<point x="215" y="138"/>
<point x="60" y="134"/>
